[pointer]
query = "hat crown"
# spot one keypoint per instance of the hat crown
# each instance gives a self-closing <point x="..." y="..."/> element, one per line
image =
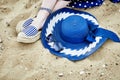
<point x="74" y="29"/>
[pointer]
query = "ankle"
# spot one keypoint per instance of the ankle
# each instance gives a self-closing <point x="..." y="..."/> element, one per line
<point x="47" y="10"/>
<point x="42" y="15"/>
<point x="38" y="24"/>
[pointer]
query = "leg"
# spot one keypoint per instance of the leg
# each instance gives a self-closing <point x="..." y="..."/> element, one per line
<point x="42" y="14"/>
<point x="60" y="4"/>
<point x="39" y="20"/>
<point x="31" y="34"/>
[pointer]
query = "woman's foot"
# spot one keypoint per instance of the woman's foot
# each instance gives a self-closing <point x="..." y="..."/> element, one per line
<point x="29" y="35"/>
<point x="23" y="25"/>
<point x="29" y="31"/>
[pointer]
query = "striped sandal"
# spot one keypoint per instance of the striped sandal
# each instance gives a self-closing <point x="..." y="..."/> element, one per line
<point x="23" y="25"/>
<point x="29" y="35"/>
<point x="27" y="32"/>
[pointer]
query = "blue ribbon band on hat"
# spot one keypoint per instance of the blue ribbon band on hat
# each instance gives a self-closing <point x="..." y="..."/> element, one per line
<point x="57" y="46"/>
<point x="91" y="37"/>
<point x="107" y="34"/>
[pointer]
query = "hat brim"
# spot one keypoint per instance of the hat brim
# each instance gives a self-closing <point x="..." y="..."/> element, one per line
<point x="71" y="51"/>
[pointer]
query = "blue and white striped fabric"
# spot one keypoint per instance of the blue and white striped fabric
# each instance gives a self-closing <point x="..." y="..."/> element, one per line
<point x="30" y="31"/>
<point x="27" y="23"/>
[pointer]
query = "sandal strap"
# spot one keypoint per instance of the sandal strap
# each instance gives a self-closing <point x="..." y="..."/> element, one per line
<point x="47" y="9"/>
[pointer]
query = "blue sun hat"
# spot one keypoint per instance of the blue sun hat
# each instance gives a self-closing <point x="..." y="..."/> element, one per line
<point x="73" y="34"/>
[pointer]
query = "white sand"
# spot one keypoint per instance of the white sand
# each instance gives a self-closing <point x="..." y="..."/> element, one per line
<point x="32" y="62"/>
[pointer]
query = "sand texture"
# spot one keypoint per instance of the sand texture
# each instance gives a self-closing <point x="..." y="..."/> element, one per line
<point x="20" y="61"/>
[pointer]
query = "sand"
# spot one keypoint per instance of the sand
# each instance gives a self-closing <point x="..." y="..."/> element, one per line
<point x="20" y="61"/>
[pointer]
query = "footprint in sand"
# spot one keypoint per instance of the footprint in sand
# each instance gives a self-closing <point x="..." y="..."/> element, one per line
<point x="4" y="10"/>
